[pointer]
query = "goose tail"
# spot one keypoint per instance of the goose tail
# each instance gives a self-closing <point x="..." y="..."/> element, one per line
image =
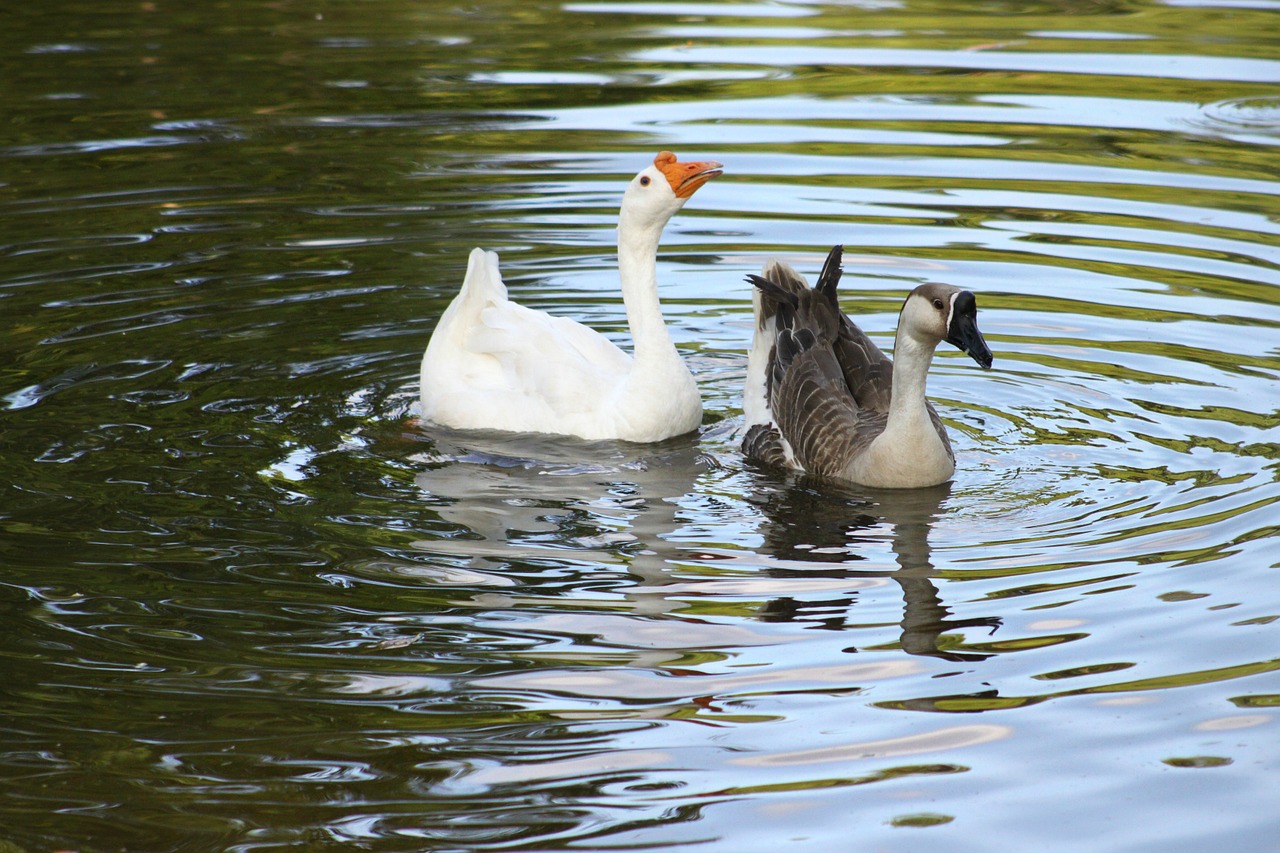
<point x="454" y="334"/>
<point x="483" y="283"/>
<point x="777" y="285"/>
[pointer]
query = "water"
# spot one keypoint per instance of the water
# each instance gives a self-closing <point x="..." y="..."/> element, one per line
<point x="250" y="603"/>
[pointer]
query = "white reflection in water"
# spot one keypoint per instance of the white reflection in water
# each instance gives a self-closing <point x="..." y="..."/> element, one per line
<point x="944" y="738"/>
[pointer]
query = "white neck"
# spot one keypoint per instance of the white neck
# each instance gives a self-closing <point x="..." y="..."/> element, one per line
<point x="908" y="407"/>
<point x="638" y="268"/>
<point x="659" y="396"/>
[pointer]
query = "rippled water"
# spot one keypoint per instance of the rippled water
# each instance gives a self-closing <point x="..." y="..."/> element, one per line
<point x="251" y="603"/>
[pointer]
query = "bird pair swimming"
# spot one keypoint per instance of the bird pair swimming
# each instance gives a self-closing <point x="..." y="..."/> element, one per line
<point x="819" y="397"/>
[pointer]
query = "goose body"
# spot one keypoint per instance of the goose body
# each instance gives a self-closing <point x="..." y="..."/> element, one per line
<point x="494" y="364"/>
<point x="822" y="397"/>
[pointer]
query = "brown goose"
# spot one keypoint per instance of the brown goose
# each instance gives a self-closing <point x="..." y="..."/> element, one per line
<point x="821" y="396"/>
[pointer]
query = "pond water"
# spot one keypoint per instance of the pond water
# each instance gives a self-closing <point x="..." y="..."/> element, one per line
<point x="250" y="603"/>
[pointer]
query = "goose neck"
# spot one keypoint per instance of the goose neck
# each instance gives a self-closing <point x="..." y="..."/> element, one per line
<point x="638" y="269"/>
<point x="911" y="360"/>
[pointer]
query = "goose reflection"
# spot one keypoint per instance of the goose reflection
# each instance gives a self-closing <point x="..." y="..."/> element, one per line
<point x="814" y="522"/>
<point x="521" y="497"/>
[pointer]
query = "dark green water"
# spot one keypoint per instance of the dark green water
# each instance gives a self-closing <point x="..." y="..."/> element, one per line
<point x="248" y="602"/>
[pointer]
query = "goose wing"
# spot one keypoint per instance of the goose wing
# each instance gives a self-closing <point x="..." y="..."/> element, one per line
<point x="811" y="404"/>
<point x="814" y="410"/>
<point x="493" y="363"/>
<point x="558" y="361"/>
<point x="868" y="372"/>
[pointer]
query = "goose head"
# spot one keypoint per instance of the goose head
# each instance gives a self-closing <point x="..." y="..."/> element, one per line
<point x="939" y="312"/>
<point x="657" y="192"/>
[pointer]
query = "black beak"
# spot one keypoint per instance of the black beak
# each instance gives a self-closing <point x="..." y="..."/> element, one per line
<point x="963" y="332"/>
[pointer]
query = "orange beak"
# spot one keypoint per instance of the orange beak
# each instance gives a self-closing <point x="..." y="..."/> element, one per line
<point x="685" y="178"/>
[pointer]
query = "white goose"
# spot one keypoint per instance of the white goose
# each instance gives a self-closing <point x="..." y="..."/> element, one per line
<point x="821" y="396"/>
<point x="494" y="364"/>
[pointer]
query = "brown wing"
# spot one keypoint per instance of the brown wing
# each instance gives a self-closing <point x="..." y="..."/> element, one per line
<point x="868" y="372"/>
<point x="808" y="390"/>
<point x="809" y="400"/>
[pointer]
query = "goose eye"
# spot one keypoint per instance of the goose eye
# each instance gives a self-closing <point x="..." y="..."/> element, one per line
<point x="644" y="180"/>
<point x="937" y="303"/>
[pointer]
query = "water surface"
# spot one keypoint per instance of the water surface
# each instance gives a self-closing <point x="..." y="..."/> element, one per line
<point x="251" y="603"/>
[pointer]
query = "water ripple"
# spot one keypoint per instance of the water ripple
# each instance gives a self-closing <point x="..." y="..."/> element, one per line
<point x="250" y="602"/>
